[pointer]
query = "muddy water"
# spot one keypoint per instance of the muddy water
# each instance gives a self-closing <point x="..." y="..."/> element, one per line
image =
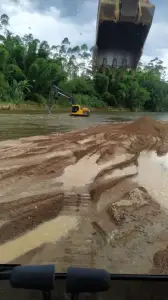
<point x="152" y="175"/>
<point x="13" y="126"/>
<point x="50" y="231"/>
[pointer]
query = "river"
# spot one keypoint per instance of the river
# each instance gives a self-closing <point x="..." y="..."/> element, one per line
<point x="21" y="124"/>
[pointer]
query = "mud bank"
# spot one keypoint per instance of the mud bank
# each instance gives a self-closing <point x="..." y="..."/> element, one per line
<point x="97" y="197"/>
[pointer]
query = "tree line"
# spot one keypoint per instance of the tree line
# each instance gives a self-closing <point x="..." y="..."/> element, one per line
<point x="28" y="67"/>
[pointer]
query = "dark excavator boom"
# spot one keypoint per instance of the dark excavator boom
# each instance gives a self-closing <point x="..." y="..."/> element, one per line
<point x="122" y="29"/>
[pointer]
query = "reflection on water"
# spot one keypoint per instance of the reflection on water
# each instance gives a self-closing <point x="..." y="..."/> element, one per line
<point x="153" y="174"/>
<point x="18" y="125"/>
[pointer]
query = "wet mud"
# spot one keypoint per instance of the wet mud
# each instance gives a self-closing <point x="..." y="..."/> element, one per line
<point x="96" y="197"/>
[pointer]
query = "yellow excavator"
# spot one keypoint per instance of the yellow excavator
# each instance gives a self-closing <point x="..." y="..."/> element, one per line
<point x="77" y="110"/>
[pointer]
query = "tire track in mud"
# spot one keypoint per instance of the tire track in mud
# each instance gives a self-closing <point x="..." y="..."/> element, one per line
<point x="54" y="165"/>
<point x="23" y="217"/>
<point x="75" y="246"/>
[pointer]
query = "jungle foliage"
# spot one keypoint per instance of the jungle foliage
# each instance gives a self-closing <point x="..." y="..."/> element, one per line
<point x="28" y="67"/>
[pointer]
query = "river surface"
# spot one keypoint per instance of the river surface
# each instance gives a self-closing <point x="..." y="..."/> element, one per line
<point x="17" y="125"/>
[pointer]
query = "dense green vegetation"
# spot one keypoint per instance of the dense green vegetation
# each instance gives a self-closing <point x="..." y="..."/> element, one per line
<point x="28" y="67"/>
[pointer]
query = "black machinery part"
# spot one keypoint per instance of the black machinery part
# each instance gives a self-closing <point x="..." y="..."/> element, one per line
<point x="77" y="280"/>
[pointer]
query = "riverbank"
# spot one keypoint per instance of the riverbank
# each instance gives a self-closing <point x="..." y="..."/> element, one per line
<point x="95" y="197"/>
<point x="29" y="107"/>
<point x="56" y="108"/>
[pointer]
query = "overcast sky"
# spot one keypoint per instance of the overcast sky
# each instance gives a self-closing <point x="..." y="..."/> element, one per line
<point x="52" y="20"/>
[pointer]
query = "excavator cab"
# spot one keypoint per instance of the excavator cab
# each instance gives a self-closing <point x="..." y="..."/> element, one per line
<point x="77" y="110"/>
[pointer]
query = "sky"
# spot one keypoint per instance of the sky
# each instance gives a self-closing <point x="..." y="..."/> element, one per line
<point x="52" y="20"/>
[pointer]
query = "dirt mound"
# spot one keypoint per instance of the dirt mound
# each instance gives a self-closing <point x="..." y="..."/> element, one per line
<point x="131" y="202"/>
<point x="160" y="262"/>
<point x="146" y="126"/>
<point x="79" y="198"/>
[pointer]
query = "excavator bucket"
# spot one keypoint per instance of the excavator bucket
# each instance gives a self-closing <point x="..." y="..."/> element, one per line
<point x="129" y="10"/>
<point x="146" y="12"/>
<point x="122" y="29"/>
<point x="109" y="10"/>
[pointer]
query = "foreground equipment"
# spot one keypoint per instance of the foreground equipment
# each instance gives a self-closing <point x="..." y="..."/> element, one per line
<point x="122" y="29"/>
<point x="77" y="110"/>
<point x="30" y="282"/>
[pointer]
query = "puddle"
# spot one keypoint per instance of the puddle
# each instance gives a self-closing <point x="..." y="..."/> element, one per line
<point x="86" y="169"/>
<point x="120" y="157"/>
<point x="82" y="173"/>
<point x="153" y="176"/>
<point x="48" y="232"/>
<point x="90" y="139"/>
<point x="128" y="171"/>
<point x="151" y="173"/>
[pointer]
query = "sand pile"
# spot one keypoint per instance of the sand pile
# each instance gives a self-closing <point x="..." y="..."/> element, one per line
<point x="89" y="185"/>
<point x="146" y="126"/>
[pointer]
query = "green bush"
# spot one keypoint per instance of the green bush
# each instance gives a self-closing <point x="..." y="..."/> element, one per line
<point x="85" y="100"/>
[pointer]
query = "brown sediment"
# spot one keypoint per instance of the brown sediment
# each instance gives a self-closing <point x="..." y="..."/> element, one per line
<point x="81" y="197"/>
<point x="26" y="215"/>
<point x="160" y="262"/>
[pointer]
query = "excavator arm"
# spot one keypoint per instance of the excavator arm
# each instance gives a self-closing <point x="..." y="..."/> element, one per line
<point x="77" y="110"/>
<point x="56" y="90"/>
